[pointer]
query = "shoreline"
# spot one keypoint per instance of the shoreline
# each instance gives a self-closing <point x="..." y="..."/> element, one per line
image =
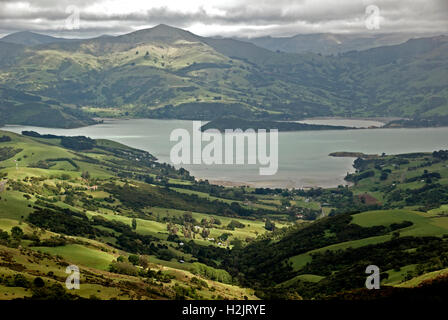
<point x="300" y="180"/>
<point x="379" y="119"/>
<point x="384" y="120"/>
<point x="267" y="185"/>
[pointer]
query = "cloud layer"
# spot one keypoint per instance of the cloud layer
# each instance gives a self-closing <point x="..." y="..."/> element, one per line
<point x="221" y="17"/>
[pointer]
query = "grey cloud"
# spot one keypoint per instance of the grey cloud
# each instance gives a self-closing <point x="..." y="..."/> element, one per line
<point x="248" y="18"/>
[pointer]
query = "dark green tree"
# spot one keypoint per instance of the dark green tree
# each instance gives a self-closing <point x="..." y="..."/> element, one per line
<point x="133" y="259"/>
<point x="85" y="175"/>
<point x="269" y="225"/>
<point x="38" y="282"/>
<point x="16" y="233"/>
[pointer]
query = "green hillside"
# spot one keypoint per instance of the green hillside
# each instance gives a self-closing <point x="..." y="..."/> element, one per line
<point x="19" y="107"/>
<point x="76" y="200"/>
<point x="139" y="229"/>
<point x="166" y="72"/>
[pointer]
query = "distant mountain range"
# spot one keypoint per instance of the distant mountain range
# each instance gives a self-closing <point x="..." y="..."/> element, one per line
<point x="330" y="43"/>
<point x="166" y="72"/>
<point x="323" y="43"/>
<point x="28" y="38"/>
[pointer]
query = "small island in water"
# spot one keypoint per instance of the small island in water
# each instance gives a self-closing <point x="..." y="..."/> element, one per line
<point x="349" y="154"/>
<point x="224" y="123"/>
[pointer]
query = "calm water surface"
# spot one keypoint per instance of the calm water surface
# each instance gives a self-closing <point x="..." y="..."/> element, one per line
<point x="303" y="156"/>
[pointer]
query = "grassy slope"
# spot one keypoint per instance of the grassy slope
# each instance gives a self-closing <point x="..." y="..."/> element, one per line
<point x="95" y="281"/>
<point x="96" y="256"/>
<point x="424" y="224"/>
<point x="14" y="208"/>
<point x="81" y="255"/>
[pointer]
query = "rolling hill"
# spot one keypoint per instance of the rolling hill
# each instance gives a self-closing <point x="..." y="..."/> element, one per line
<point x="138" y="229"/>
<point x="28" y="38"/>
<point x="166" y="72"/>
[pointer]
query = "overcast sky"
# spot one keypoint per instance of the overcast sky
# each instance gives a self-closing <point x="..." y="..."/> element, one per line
<point x="223" y="17"/>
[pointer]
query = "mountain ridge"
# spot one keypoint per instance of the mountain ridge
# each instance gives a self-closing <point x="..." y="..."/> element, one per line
<point x="331" y="43"/>
<point x="30" y="38"/>
<point x="166" y="72"/>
